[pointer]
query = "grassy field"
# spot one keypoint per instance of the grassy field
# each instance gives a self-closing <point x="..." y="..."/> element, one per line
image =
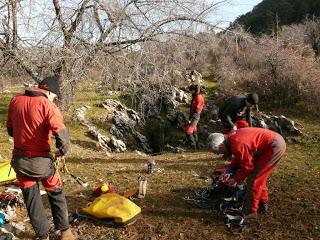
<point x="294" y="187"/>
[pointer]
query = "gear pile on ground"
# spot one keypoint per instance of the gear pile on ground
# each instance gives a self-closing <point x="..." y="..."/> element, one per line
<point x="224" y="200"/>
<point x="9" y="204"/>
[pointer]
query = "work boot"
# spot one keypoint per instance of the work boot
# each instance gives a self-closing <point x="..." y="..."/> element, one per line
<point x="263" y="208"/>
<point x="67" y="235"/>
<point x="192" y="145"/>
<point x="196" y="140"/>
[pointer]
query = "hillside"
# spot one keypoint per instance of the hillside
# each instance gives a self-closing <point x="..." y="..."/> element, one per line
<point x="264" y="17"/>
<point x="294" y="205"/>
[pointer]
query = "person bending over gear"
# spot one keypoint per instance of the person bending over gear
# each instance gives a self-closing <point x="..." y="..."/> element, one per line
<point x="256" y="153"/>
<point x="235" y="109"/>
<point x="197" y="105"/>
<point x="32" y="117"/>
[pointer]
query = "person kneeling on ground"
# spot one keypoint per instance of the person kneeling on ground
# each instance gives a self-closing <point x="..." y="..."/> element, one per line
<point x="256" y="153"/>
<point x="32" y="117"/>
<point x="197" y="105"/>
<point x="235" y="112"/>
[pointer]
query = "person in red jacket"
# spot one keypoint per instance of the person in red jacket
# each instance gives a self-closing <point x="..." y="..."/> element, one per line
<point x="32" y="118"/>
<point x="256" y="153"/>
<point x="197" y="105"/>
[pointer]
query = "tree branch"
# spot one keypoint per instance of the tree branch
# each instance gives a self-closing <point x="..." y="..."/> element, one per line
<point x="57" y="7"/>
<point x="78" y="18"/>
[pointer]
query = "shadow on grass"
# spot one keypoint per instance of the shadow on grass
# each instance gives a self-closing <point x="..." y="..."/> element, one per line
<point x="132" y="171"/>
<point x="192" y="165"/>
<point x="189" y="167"/>
<point x="172" y="206"/>
<point x="195" y="160"/>
<point x="105" y="160"/>
<point x="85" y="144"/>
<point x="133" y="166"/>
<point x="76" y="201"/>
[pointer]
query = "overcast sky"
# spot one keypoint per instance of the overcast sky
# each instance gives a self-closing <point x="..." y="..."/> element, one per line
<point x="230" y="11"/>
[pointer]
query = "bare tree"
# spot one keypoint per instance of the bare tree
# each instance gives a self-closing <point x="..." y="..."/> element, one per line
<point x="67" y="35"/>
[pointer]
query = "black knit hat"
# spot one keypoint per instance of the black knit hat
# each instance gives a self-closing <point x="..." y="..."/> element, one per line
<point x="50" y="84"/>
<point x="253" y="98"/>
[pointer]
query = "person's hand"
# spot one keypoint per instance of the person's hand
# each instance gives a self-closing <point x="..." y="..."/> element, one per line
<point x="234" y="127"/>
<point x="224" y="177"/>
<point x="231" y="182"/>
<point x="58" y="154"/>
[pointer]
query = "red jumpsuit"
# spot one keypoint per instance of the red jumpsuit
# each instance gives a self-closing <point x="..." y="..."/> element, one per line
<point x="32" y="119"/>
<point x="196" y="108"/>
<point x="256" y="153"/>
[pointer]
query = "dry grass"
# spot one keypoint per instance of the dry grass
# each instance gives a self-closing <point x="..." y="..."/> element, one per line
<point x="294" y="189"/>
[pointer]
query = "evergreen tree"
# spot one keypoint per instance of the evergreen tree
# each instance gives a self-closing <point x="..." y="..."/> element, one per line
<point x="270" y="13"/>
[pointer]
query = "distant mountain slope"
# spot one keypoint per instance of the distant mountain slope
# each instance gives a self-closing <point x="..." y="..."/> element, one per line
<point x="263" y="17"/>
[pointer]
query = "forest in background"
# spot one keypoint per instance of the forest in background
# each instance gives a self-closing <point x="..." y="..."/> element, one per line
<point x="269" y="15"/>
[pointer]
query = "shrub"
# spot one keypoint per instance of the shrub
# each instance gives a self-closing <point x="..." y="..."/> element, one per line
<point x="282" y="70"/>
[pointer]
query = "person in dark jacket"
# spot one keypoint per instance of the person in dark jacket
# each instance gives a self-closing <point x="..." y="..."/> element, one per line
<point x="256" y="153"/>
<point x="32" y="118"/>
<point x="197" y="105"/>
<point x="235" y="112"/>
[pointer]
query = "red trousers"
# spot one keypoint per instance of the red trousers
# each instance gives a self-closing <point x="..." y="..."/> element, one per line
<point x="257" y="190"/>
<point x="34" y="205"/>
<point x="50" y="184"/>
<point x="190" y="129"/>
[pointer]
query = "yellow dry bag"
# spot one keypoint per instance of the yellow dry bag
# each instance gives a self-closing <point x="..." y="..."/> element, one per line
<point x="112" y="205"/>
<point x="6" y="174"/>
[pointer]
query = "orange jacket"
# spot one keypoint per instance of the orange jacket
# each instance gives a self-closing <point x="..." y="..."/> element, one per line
<point x="31" y="120"/>
<point x="197" y="104"/>
<point x="247" y="145"/>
